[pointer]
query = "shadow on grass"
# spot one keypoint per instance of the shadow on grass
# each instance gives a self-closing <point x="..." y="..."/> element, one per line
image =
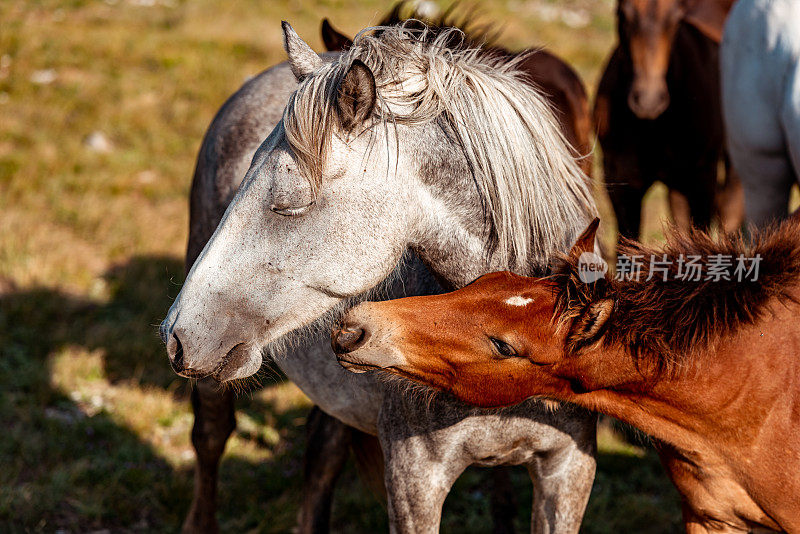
<point x="632" y="494"/>
<point x="65" y="468"/>
<point x="68" y="468"/>
<point x="36" y="322"/>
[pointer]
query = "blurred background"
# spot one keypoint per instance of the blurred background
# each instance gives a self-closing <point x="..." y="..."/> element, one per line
<point x="103" y="105"/>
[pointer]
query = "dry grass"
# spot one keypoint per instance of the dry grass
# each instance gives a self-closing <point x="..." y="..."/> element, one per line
<point x="96" y="425"/>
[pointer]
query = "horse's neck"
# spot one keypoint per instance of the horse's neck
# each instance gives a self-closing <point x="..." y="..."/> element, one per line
<point x="457" y="259"/>
<point x="453" y="237"/>
<point x="455" y="246"/>
<point x="727" y="422"/>
<point x="710" y="393"/>
<point x="457" y="256"/>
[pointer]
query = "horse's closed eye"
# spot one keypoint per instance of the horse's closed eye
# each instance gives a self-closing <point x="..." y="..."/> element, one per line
<point x="503" y="349"/>
<point x="288" y="211"/>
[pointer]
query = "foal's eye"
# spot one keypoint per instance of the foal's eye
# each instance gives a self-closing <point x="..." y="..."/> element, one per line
<point x="503" y="349"/>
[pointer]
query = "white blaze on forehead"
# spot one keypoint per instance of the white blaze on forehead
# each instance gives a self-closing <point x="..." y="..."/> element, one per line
<point x="518" y="301"/>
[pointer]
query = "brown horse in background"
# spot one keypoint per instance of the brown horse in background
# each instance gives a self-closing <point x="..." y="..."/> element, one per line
<point x="658" y="113"/>
<point x="551" y="75"/>
<point x="710" y="368"/>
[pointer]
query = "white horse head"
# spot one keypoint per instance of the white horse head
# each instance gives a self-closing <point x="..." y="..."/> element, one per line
<point x="405" y="142"/>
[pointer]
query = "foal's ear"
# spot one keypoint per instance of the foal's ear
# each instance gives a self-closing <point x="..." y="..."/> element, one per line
<point x="302" y="59"/>
<point x="590" y="325"/>
<point x="708" y="16"/>
<point x="585" y="242"/>
<point x="357" y="95"/>
<point x="334" y="40"/>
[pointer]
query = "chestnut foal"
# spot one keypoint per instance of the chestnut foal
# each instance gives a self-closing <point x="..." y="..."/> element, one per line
<point x="710" y="368"/>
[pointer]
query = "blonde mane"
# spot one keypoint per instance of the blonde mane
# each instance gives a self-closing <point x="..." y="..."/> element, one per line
<point x="535" y="195"/>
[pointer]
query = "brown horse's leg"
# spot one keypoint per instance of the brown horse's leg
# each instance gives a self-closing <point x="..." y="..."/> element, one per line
<point x="627" y="203"/>
<point x="702" y="197"/>
<point x="214" y="420"/>
<point x="730" y="201"/>
<point x="327" y="450"/>
<point x="679" y="206"/>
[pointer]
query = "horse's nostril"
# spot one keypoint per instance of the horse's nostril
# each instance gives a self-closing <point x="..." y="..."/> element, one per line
<point x="648" y="104"/>
<point x="347" y="340"/>
<point x="177" y="360"/>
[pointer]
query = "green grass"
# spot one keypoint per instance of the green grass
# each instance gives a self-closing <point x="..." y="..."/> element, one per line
<point x="96" y="425"/>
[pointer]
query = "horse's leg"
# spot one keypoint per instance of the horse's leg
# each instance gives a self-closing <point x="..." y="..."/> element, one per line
<point x="418" y="472"/>
<point x="627" y="203"/>
<point x="562" y="482"/>
<point x="214" y="420"/>
<point x="626" y="182"/>
<point x="702" y="188"/>
<point x="679" y="206"/>
<point x="767" y="182"/>
<point x="417" y="483"/>
<point x="757" y="136"/>
<point x="730" y="200"/>
<point x="327" y="449"/>
<point x="790" y="120"/>
<point x="369" y="462"/>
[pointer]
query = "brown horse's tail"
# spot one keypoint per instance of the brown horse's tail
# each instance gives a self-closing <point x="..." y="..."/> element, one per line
<point x="369" y="462"/>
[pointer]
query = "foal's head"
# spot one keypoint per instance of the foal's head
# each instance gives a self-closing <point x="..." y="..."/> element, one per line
<point x="505" y="337"/>
<point x="488" y="343"/>
<point x="647" y="29"/>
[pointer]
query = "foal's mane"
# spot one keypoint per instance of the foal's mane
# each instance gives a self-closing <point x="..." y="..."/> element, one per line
<point x="533" y="192"/>
<point x="664" y="322"/>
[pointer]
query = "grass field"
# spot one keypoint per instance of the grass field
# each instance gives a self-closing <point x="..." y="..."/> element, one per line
<point x="102" y="109"/>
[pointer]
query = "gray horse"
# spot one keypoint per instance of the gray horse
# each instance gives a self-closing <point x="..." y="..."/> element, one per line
<point x="405" y="148"/>
<point x="760" y="59"/>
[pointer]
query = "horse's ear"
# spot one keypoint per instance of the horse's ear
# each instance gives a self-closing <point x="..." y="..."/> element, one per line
<point x="334" y="40"/>
<point x="585" y="242"/>
<point x="589" y="326"/>
<point x="302" y="59"/>
<point x="357" y="95"/>
<point x="708" y="16"/>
